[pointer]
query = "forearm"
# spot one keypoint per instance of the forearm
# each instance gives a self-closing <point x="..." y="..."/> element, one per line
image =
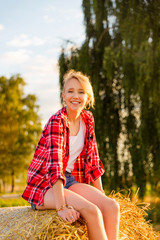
<point x="59" y="193"/>
<point x="98" y="184"/>
<point x="67" y="213"/>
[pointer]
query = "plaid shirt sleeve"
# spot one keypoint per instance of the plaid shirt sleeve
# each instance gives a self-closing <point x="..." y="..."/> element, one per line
<point x="46" y="166"/>
<point x="97" y="168"/>
<point x="54" y="144"/>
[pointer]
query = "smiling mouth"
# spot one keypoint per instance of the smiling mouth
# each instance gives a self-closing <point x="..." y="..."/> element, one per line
<point x="76" y="103"/>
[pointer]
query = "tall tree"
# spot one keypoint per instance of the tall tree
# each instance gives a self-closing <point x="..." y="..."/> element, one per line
<point x="139" y="27"/>
<point x="121" y="54"/>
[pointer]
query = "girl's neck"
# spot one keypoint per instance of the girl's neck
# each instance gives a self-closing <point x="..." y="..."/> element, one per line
<point x="73" y="116"/>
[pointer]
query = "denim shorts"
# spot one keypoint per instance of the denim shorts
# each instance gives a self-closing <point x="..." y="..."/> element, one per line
<point x="70" y="180"/>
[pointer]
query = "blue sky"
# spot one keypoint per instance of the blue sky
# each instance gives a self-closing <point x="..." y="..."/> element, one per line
<point x="31" y="36"/>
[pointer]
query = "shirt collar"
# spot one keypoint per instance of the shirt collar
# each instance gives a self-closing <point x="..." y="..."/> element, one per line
<point x="86" y="115"/>
<point x="65" y="116"/>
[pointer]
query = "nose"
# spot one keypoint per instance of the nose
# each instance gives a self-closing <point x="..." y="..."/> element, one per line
<point x="75" y="95"/>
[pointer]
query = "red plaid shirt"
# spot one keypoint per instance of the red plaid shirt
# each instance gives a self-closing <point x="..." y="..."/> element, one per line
<point x="52" y="154"/>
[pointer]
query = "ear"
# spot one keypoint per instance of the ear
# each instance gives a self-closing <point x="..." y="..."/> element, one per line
<point x="63" y="96"/>
<point x="88" y="100"/>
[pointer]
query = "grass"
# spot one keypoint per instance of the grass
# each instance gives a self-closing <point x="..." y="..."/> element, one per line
<point x="12" y="202"/>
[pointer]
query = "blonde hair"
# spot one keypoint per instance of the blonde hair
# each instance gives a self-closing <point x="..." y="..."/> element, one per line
<point x="84" y="81"/>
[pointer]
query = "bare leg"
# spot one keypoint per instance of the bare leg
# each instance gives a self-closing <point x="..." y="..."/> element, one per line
<point x="109" y="207"/>
<point x="89" y="211"/>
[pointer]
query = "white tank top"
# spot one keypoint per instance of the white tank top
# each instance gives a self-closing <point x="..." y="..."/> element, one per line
<point x="76" y="145"/>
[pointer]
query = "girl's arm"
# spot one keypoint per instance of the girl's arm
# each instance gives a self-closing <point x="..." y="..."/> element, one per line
<point x="64" y="211"/>
<point x="98" y="184"/>
<point x="59" y="194"/>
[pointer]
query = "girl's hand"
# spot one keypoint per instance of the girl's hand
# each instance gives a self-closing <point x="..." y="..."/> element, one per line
<point x="69" y="214"/>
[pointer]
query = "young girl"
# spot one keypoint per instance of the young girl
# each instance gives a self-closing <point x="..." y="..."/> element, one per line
<point x="66" y="161"/>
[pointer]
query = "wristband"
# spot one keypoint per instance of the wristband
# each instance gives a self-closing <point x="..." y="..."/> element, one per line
<point x="69" y="207"/>
<point x="61" y="208"/>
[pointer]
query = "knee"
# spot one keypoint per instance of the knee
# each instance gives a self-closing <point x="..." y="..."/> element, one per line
<point x="111" y="208"/>
<point x="115" y="208"/>
<point x="92" y="211"/>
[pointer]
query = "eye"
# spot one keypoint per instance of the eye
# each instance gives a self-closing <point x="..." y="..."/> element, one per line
<point x="70" y="91"/>
<point x="81" y="92"/>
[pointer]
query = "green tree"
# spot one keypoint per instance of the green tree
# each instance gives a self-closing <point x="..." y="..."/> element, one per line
<point x="138" y="24"/>
<point x="121" y="54"/>
<point x="20" y="126"/>
<point x="89" y="59"/>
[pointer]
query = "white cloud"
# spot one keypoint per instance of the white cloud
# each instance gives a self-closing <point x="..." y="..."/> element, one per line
<point x="71" y="13"/>
<point x="48" y="19"/>
<point x="38" y="41"/>
<point x="1" y="27"/>
<point x="41" y="75"/>
<point x="42" y="67"/>
<point x="24" y="41"/>
<point x="68" y="14"/>
<point x="52" y="8"/>
<point x="54" y="50"/>
<point x="16" y="57"/>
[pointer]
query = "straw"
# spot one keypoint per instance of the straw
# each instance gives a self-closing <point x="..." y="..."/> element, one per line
<point x="133" y="225"/>
<point x="23" y="223"/>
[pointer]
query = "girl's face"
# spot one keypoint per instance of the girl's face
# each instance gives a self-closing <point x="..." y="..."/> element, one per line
<point x="74" y="95"/>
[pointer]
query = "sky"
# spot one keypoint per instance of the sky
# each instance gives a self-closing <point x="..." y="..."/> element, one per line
<point x="32" y="34"/>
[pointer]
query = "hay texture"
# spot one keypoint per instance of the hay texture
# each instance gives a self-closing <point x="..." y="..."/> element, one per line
<point x="133" y="225"/>
<point x="25" y="223"/>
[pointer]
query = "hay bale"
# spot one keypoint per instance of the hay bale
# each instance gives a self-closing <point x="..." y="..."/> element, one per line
<point x="133" y="225"/>
<point x="24" y="223"/>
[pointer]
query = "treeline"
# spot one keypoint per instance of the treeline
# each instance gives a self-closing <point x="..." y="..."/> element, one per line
<point x="20" y="128"/>
<point x="121" y="54"/>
